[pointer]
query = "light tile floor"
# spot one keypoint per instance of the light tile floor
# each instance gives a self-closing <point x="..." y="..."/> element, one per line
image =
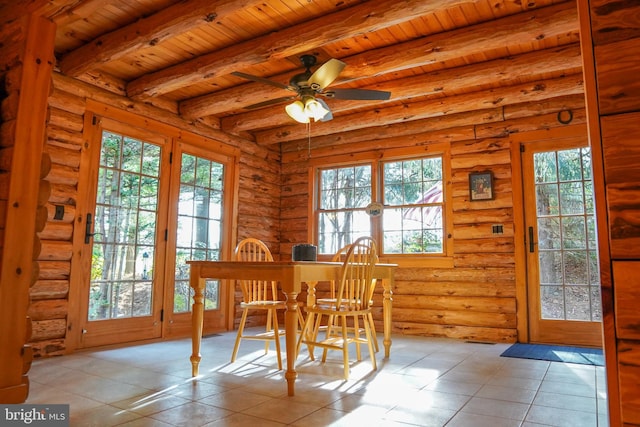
<point x="425" y="382"/>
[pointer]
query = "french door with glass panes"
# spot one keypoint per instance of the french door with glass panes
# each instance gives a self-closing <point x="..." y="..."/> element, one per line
<point x="158" y="203"/>
<point x="564" y="302"/>
<point x="201" y="229"/>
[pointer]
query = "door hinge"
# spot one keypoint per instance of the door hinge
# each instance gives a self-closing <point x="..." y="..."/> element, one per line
<point x="522" y="148"/>
<point x="94" y="120"/>
<point x="532" y="246"/>
<point x="87" y="229"/>
<point x="162" y="315"/>
<point x="166" y="234"/>
<point x="171" y="157"/>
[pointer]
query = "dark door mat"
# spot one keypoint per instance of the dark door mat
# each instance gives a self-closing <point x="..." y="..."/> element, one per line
<point x="554" y="353"/>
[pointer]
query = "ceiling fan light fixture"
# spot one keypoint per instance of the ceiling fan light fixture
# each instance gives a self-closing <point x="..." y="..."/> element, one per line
<point x="328" y="116"/>
<point x="314" y="109"/>
<point x="296" y="110"/>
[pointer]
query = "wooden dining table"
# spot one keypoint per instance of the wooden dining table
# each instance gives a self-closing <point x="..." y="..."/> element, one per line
<point x="291" y="275"/>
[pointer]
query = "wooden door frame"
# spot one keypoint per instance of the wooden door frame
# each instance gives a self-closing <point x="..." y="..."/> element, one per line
<point x="522" y="297"/>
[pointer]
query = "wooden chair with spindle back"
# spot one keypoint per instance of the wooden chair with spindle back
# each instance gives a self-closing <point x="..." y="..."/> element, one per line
<point x="258" y="295"/>
<point x="352" y="304"/>
<point x="339" y="256"/>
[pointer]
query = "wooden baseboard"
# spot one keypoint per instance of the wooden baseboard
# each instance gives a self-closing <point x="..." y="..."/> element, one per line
<point x="15" y="394"/>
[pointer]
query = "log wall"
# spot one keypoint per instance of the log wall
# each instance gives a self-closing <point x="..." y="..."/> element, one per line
<point x="50" y="294"/>
<point x="475" y="299"/>
<point x="612" y="45"/>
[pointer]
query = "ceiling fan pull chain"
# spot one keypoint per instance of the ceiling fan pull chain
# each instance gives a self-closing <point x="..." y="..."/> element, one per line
<point x="309" y="137"/>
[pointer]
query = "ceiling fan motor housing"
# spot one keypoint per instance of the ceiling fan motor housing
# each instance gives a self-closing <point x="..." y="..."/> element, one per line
<point x="301" y="80"/>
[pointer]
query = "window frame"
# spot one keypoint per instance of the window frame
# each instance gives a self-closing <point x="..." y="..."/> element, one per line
<point x="377" y="158"/>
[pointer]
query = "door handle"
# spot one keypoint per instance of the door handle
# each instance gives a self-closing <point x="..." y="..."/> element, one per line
<point x="531" y="243"/>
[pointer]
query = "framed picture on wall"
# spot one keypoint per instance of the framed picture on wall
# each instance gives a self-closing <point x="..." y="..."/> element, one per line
<point x="481" y="185"/>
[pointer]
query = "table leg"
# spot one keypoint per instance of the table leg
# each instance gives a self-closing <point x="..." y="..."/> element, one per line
<point x="198" y="284"/>
<point x="311" y="301"/>
<point x="291" y="327"/>
<point x="386" y="313"/>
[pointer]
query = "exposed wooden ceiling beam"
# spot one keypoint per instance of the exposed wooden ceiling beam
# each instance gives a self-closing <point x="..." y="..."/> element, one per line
<point x="488" y="130"/>
<point x="555" y="21"/>
<point x="383" y="134"/>
<point x="179" y="18"/>
<point x="496" y="73"/>
<point x="346" y="23"/>
<point x="11" y="10"/>
<point x="529" y="92"/>
<point x="439" y="128"/>
<point x="76" y="10"/>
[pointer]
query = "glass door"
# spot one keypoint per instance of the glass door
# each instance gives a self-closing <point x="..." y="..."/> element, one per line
<point x="562" y="253"/>
<point x="125" y="234"/>
<point x="200" y="214"/>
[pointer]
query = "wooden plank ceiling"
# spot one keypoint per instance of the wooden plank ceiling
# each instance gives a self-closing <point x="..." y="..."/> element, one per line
<point x="437" y="57"/>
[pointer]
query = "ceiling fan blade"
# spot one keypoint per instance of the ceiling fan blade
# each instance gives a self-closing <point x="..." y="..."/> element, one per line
<point x="326" y="74"/>
<point x="262" y="80"/>
<point x="270" y="102"/>
<point x="358" y="94"/>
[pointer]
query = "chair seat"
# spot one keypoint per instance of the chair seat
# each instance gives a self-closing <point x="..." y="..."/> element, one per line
<point x="338" y="341"/>
<point x="266" y="305"/>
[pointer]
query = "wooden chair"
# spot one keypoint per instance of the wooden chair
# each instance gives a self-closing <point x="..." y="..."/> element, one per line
<point x="352" y="304"/>
<point x="258" y="295"/>
<point x="340" y="257"/>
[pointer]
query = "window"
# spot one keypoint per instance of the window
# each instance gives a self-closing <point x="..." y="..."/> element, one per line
<point x="412" y="192"/>
<point x="344" y="194"/>
<point x="412" y="216"/>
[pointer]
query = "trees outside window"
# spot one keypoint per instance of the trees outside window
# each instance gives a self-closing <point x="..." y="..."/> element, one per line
<point x="413" y="200"/>
<point x="567" y="241"/>
<point x="344" y="193"/>
<point x="199" y="231"/>
<point x="125" y="228"/>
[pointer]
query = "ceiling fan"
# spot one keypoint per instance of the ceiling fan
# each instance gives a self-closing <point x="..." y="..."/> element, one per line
<point x="308" y="85"/>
